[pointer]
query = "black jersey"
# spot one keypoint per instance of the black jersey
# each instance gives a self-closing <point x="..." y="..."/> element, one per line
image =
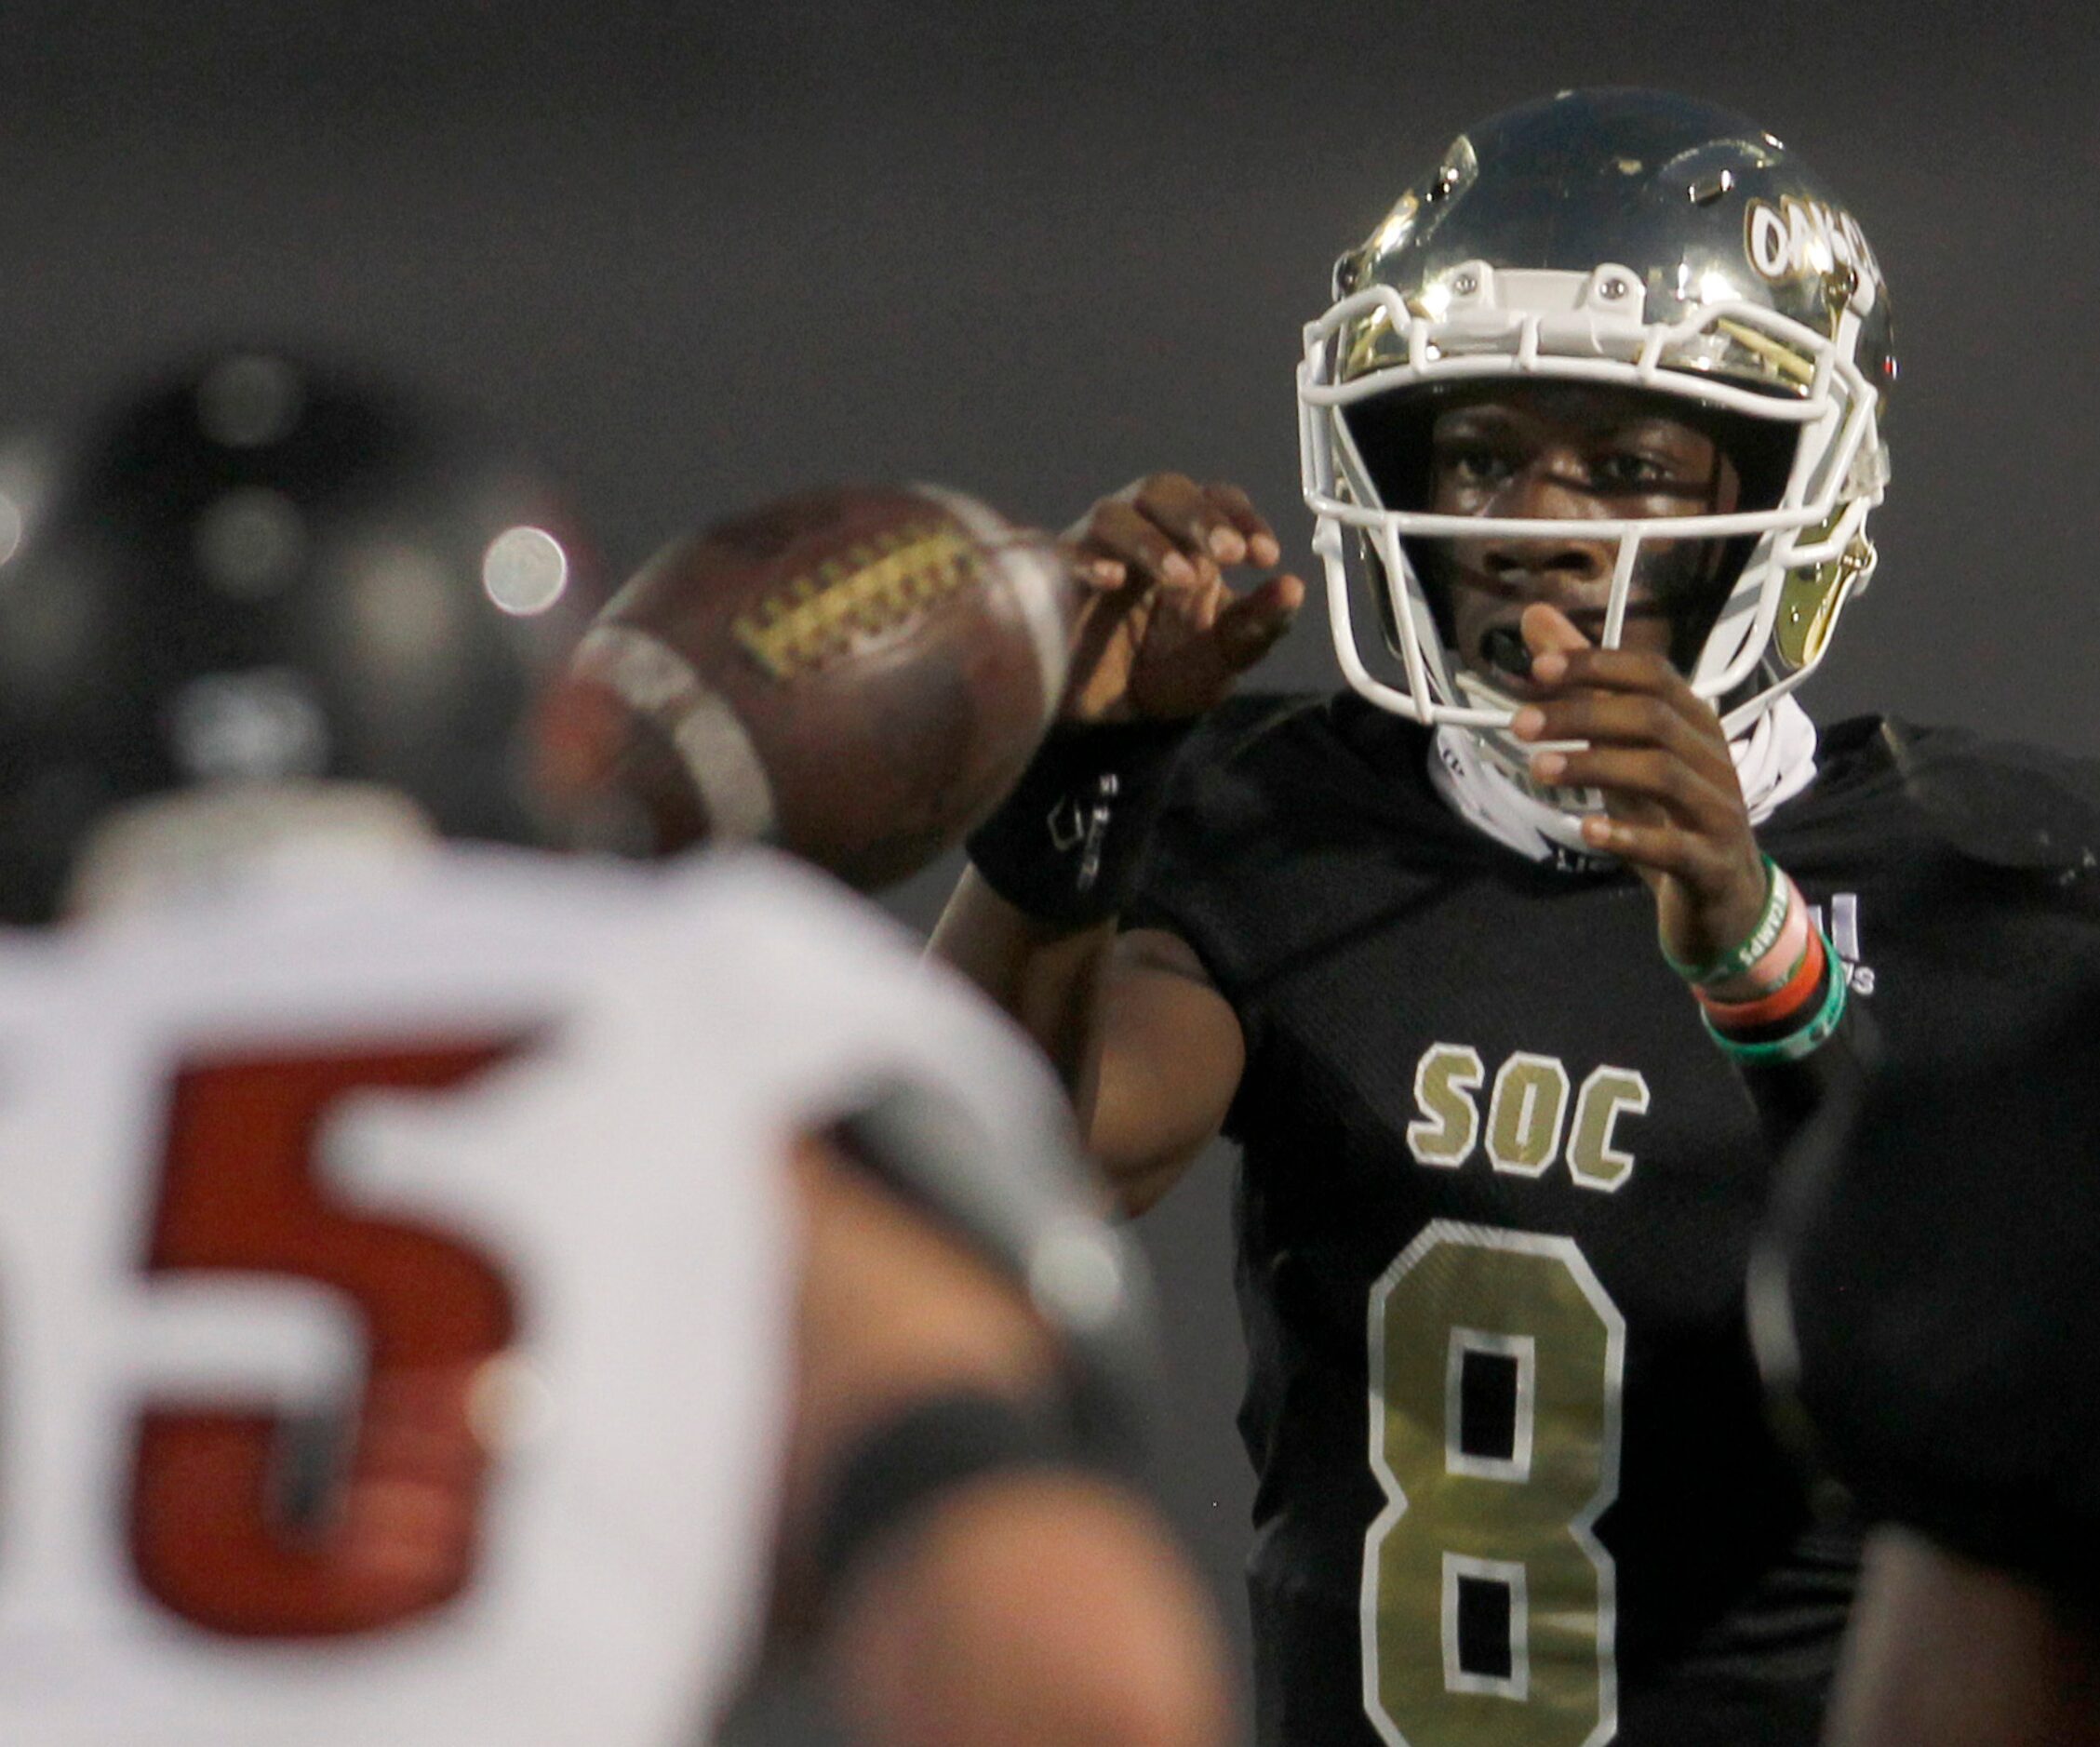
<point x="1497" y="1199"/>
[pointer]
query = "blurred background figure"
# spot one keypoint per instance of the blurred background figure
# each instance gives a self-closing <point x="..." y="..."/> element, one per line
<point x="457" y="1293"/>
<point x="256" y="573"/>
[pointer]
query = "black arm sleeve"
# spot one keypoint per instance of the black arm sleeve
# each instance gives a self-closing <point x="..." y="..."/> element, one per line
<point x="1939" y="1241"/>
<point x="1789" y="1094"/>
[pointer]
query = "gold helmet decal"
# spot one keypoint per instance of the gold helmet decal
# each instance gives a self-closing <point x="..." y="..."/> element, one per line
<point x="1798" y="239"/>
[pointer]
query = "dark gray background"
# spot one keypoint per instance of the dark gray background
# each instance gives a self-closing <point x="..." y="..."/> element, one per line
<point x="693" y="256"/>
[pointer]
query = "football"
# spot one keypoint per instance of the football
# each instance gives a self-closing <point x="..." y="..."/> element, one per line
<point x="856" y="674"/>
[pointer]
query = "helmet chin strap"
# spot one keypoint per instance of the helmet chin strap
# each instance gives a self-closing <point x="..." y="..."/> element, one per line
<point x="1483" y="776"/>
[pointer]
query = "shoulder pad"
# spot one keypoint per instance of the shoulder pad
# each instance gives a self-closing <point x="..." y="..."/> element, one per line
<point x="2003" y="803"/>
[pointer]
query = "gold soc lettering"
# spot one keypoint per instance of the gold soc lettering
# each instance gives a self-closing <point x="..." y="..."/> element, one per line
<point x="1528" y="1114"/>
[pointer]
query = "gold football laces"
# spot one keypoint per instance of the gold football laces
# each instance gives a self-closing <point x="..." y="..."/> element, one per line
<point x="864" y="592"/>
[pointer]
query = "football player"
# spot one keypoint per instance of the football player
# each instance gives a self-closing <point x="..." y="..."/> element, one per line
<point x="1476" y="959"/>
<point x="444" y="1288"/>
<point x="1925" y="1308"/>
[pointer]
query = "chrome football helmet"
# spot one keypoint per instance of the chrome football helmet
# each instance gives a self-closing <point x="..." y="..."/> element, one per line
<point x="1640" y="241"/>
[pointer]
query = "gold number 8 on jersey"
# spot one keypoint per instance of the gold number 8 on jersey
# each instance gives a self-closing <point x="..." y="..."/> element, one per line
<point x="1496" y="1364"/>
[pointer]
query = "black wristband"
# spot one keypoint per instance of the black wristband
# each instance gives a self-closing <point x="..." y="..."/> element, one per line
<point x="1068" y="844"/>
<point x="919" y="1456"/>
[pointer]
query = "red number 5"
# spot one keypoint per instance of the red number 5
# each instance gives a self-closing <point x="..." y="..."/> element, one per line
<point x="212" y="1535"/>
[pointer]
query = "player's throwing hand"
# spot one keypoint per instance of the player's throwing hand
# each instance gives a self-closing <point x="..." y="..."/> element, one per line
<point x="1164" y="635"/>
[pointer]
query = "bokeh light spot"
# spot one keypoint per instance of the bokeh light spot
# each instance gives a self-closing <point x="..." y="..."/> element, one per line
<point x="525" y="571"/>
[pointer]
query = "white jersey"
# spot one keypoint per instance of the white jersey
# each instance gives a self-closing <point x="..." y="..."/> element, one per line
<point x="394" y="1281"/>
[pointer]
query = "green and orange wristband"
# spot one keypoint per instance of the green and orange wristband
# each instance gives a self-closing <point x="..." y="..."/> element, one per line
<point x="1779" y="995"/>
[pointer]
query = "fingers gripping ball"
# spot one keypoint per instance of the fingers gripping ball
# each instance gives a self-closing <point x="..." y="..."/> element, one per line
<point x="857" y="674"/>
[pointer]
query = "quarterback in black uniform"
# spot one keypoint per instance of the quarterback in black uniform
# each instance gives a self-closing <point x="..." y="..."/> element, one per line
<point x="1592" y="432"/>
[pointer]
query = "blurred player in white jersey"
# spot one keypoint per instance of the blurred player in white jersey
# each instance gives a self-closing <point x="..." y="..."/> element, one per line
<point x="441" y="1295"/>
